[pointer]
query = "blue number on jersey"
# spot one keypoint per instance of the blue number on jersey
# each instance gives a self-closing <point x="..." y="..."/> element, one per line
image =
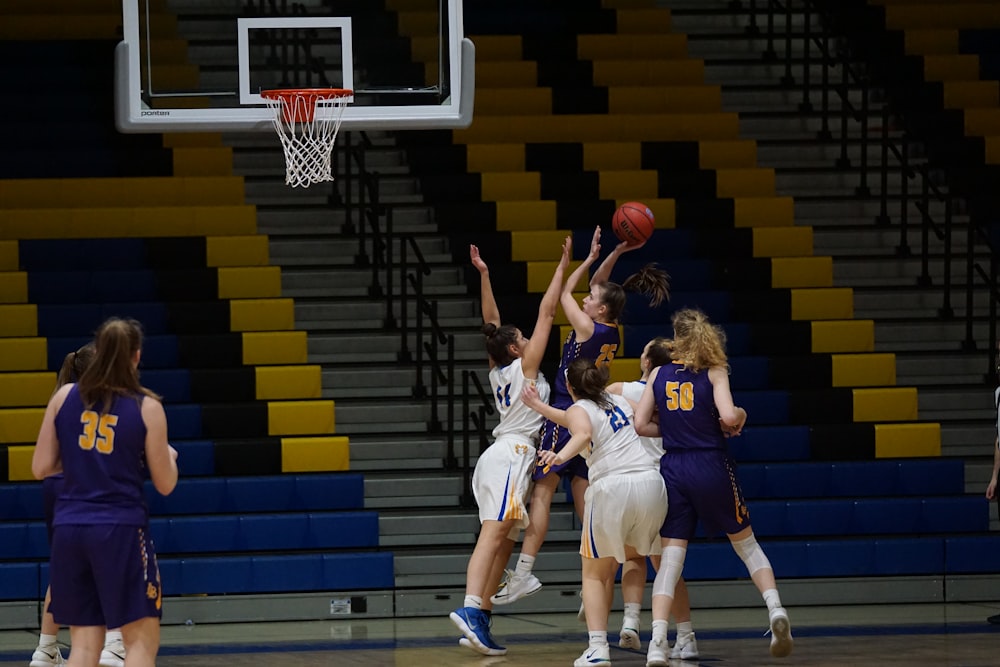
<point x="618" y="418"/>
<point x="503" y="396"/>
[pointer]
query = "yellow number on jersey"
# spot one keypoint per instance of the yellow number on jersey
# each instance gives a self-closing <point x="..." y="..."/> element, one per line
<point x="680" y="395"/>
<point x="607" y="355"/>
<point x="98" y="431"/>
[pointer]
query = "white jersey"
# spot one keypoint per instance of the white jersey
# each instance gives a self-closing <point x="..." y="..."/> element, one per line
<point x="633" y="392"/>
<point x="516" y="418"/>
<point x="615" y="448"/>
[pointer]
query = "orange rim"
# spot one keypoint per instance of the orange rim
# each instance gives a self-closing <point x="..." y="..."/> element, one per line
<point x="299" y="104"/>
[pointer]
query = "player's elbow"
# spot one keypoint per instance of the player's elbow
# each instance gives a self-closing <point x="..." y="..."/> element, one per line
<point x="165" y="483"/>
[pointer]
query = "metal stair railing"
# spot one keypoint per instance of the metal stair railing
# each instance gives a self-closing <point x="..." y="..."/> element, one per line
<point x="831" y="15"/>
<point x="361" y="201"/>
<point x="473" y="423"/>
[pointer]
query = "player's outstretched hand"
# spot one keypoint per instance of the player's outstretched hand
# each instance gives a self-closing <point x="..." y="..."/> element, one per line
<point x="477" y="261"/>
<point x="530" y="397"/>
<point x="595" y="244"/>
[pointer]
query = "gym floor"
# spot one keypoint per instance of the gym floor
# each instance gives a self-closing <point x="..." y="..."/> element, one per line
<point x="936" y="635"/>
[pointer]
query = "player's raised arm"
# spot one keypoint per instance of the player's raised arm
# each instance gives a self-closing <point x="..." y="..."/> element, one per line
<point x="535" y="349"/>
<point x="491" y="314"/>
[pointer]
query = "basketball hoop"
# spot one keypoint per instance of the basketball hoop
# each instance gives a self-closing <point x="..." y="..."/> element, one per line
<point x="307" y="121"/>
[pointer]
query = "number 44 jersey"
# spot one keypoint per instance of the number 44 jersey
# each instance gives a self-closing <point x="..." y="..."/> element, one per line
<point x="516" y="418"/>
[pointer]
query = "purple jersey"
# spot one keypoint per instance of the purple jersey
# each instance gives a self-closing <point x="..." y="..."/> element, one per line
<point x="103" y="458"/>
<point x="686" y="405"/>
<point x="601" y="347"/>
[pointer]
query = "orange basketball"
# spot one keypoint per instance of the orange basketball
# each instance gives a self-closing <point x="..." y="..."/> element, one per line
<point x="633" y="222"/>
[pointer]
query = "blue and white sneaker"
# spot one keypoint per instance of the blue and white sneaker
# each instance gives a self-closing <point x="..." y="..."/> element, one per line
<point x="475" y="625"/>
<point x="599" y="656"/>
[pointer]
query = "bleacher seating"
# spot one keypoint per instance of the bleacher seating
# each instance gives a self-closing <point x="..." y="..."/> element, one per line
<point x="98" y="223"/>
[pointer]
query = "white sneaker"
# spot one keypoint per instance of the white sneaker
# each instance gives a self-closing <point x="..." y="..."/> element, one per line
<point x="594" y="655"/>
<point x="46" y="656"/>
<point x="113" y="654"/>
<point x="781" y="633"/>
<point x="629" y="635"/>
<point x="685" y="648"/>
<point x="515" y="587"/>
<point x="656" y="655"/>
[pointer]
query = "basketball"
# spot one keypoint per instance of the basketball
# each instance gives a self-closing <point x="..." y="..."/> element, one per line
<point x="633" y="222"/>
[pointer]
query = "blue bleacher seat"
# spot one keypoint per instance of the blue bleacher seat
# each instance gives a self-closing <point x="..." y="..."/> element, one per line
<point x="340" y="530"/>
<point x="768" y="517"/>
<point x="203" y="534"/>
<point x="359" y="571"/>
<point x="908" y="556"/>
<point x="713" y="560"/>
<point x="21" y="581"/>
<point x="766" y="406"/>
<point x="194" y="457"/>
<point x="928" y="477"/>
<point x="751" y="477"/>
<point x="337" y="491"/>
<point x="21" y="500"/>
<point x="228" y="574"/>
<point x="68" y="254"/>
<point x="49" y="287"/>
<point x="885" y="516"/>
<point x="749" y="372"/>
<point x="256" y="494"/>
<point x="797" y="480"/>
<point x="955" y="514"/>
<point x="861" y="478"/>
<point x="303" y="573"/>
<point x="271" y="532"/>
<point x="817" y="517"/>
<point x="771" y="443"/>
<point x="837" y="558"/>
<point x="173" y="384"/>
<point x="184" y="420"/>
<point x="972" y="554"/>
<point x="192" y="496"/>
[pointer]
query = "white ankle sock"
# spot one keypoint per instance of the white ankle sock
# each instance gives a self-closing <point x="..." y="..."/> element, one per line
<point x="524" y="565"/>
<point x="46" y="640"/>
<point x="660" y="630"/>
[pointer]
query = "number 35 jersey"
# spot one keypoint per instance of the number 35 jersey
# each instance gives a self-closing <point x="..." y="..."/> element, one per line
<point x="103" y="458"/>
<point x="516" y="418"/>
<point x="615" y="448"/>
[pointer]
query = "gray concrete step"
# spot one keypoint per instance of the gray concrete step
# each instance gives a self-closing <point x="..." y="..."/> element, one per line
<point x="924" y="335"/>
<point x="326" y="220"/>
<point x="838" y="239"/>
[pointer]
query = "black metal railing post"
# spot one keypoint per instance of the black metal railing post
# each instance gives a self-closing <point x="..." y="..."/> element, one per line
<point x="844" y="161"/>
<point x="862" y="189"/>
<point x="806" y="104"/>
<point x="788" y="79"/>
<point x="903" y="249"/>
<point x="883" y="212"/>
<point x="769" y="52"/>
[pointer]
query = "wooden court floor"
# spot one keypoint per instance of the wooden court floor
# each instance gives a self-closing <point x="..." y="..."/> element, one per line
<point x="912" y="635"/>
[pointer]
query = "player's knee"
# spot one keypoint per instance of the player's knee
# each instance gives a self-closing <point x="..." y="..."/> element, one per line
<point x="751" y="554"/>
<point x="671" y="566"/>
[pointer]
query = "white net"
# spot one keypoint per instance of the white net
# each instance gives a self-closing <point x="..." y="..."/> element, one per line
<point x="307" y="122"/>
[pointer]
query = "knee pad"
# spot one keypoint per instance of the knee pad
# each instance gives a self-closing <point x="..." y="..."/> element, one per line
<point x="751" y="554"/>
<point x="671" y="566"/>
